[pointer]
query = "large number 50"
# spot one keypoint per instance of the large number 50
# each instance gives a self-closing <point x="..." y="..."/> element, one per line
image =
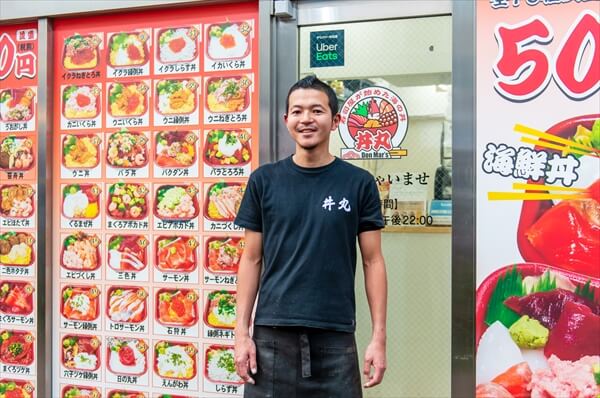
<point x="524" y="68"/>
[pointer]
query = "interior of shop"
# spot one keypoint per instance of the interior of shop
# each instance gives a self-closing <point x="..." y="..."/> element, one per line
<point x="417" y="67"/>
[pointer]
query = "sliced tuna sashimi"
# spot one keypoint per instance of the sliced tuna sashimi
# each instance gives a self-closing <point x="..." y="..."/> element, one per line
<point x="575" y="334"/>
<point x="16" y="300"/>
<point x="547" y="307"/>
<point x="16" y="349"/>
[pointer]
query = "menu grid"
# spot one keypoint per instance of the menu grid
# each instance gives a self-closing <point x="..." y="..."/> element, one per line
<point x="158" y="133"/>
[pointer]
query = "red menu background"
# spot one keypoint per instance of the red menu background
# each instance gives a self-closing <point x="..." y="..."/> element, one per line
<point x="151" y="282"/>
<point x="18" y="124"/>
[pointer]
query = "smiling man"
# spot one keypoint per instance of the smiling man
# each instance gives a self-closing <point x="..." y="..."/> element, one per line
<point x="303" y="216"/>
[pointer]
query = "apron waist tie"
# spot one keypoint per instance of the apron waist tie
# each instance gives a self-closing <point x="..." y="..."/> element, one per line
<point x="305" y="355"/>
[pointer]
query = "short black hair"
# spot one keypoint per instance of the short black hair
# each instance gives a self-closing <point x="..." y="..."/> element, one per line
<point x="311" y="81"/>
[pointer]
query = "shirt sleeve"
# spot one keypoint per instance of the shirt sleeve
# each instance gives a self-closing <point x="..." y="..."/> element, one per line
<point x="250" y="212"/>
<point x="370" y="217"/>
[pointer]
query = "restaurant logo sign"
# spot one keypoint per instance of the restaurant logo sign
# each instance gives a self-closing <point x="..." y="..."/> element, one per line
<point x="373" y="124"/>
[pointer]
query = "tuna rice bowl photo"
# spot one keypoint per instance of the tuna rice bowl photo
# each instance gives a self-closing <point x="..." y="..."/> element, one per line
<point x="127" y="356"/>
<point x="537" y="332"/>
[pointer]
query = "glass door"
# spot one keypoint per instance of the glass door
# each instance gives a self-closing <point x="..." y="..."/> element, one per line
<point x="393" y="81"/>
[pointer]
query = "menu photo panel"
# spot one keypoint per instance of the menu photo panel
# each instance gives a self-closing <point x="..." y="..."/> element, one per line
<point x="156" y="133"/>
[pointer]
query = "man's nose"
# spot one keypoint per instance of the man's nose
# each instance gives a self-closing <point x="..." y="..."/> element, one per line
<point x="306" y="117"/>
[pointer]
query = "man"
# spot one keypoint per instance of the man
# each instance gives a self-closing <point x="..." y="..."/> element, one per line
<point x="302" y="217"/>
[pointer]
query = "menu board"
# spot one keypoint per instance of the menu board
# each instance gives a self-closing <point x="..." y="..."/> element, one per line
<point x="18" y="207"/>
<point x="156" y="131"/>
<point x="538" y="199"/>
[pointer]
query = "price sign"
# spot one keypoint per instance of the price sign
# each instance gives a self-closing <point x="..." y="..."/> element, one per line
<point x="525" y="66"/>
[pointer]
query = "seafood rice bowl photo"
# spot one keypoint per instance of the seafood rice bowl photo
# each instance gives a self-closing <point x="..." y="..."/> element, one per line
<point x="80" y="102"/>
<point x="176" y="45"/>
<point x="175" y="360"/>
<point x="127" y="49"/>
<point x="16" y="105"/>
<point x="176" y="96"/>
<point x="226" y="41"/>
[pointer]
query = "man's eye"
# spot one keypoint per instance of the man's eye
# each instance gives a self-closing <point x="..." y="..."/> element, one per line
<point x="318" y="111"/>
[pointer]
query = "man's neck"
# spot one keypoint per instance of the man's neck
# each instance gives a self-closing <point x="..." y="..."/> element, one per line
<point x="304" y="158"/>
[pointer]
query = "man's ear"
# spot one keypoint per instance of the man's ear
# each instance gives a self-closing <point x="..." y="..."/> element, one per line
<point x="285" y="117"/>
<point x="335" y="122"/>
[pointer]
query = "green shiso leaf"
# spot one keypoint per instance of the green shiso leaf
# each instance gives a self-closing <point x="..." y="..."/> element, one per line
<point x="508" y="285"/>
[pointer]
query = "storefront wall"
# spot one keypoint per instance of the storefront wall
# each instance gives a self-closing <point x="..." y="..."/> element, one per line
<point x="47" y="373"/>
<point x="418" y="257"/>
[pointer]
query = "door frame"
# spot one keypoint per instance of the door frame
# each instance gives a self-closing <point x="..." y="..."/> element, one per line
<point x="317" y="12"/>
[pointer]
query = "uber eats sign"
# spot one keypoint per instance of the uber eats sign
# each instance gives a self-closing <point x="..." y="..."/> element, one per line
<point x="326" y="48"/>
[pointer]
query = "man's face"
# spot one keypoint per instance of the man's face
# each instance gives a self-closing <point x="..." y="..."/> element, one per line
<point x="309" y="119"/>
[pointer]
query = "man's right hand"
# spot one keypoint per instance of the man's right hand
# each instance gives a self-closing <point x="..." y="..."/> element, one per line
<point x="245" y="357"/>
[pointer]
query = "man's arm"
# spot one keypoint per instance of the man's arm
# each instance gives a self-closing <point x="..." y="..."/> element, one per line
<point x="247" y="287"/>
<point x="376" y="287"/>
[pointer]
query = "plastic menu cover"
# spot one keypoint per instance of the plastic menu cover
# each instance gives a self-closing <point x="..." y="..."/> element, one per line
<point x="156" y="135"/>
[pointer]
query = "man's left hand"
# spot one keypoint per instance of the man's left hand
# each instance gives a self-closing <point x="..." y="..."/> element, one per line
<point x="374" y="358"/>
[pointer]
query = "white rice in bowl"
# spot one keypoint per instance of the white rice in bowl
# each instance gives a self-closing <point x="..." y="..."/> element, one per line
<point x="175" y="362"/>
<point x="163" y="104"/>
<point x="137" y="368"/>
<point x="185" y="54"/>
<point x="217" y="366"/>
<point x="85" y="361"/>
<point x="85" y="91"/>
<point x="217" y="51"/>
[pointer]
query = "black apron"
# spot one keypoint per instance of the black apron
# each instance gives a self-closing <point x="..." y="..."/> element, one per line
<point x="298" y="362"/>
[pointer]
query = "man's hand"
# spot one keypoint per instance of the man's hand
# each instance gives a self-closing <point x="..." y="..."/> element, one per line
<point x="245" y="357"/>
<point x="247" y="287"/>
<point x="376" y="287"/>
<point x="374" y="358"/>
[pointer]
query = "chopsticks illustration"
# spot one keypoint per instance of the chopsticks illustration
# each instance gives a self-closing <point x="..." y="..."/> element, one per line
<point x="541" y="193"/>
<point x="398" y="152"/>
<point x="554" y="142"/>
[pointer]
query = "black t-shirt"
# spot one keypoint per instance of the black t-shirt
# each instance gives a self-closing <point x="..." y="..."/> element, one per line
<point x="309" y="218"/>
